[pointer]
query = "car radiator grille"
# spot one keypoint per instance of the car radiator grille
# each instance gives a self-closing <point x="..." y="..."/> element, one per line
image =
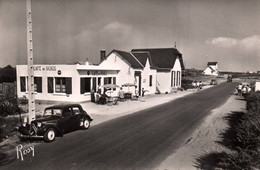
<point x="33" y="129"/>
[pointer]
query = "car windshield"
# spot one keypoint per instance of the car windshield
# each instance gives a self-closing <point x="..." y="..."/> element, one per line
<point x="52" y="112"/>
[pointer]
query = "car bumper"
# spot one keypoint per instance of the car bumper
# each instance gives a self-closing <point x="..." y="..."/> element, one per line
<point x="21" y="136"/>
<point x="26" y="132"/>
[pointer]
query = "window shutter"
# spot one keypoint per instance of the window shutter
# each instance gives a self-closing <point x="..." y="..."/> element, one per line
<point x="22" y="83"/>
<point x="68" y="86"/>
<point x="39" y="85"/>
<point x="94" y="84"/>
<point x="82" y="85"/>
<point x="50" y="85"/>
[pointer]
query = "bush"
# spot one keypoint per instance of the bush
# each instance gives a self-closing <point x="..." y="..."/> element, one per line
<point x="7" y="126"/>
<point x="242" y="137"/>
<point x="9" y="106"/>
<point x="253" y="102"/>
<point x="23" y="100"/>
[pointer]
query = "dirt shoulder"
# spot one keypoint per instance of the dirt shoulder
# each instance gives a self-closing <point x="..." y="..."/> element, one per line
<point x="203" y="140"/>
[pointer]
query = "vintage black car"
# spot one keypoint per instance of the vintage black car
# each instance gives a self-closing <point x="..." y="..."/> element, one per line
<point x="56" y="121"/>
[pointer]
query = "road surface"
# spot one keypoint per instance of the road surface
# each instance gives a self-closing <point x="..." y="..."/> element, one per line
<point x="137" y="141"/>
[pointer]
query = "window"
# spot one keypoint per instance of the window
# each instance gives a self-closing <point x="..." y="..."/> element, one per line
<point x="22" y="84"/>
<point x="76" y="110"/>
<point x="63" y="85"/>
<point x="60" y="86"/>
<point x="38" y="84"/>
<point x="150" y="80"/>
<point x="107" y="80"/>
<point x="85" y="84"/>
<point x="178" y="80"/>
<point x="99" y="81"/>
<point x="173" y="81"/>
<point x="114" y="80"/>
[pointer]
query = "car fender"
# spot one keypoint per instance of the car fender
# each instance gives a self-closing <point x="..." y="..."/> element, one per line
<point x="86" y="116"/>
<point x="57" y="130"/>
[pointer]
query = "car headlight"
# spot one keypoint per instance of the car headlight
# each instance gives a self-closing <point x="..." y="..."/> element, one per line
<point x="39" y="124"/>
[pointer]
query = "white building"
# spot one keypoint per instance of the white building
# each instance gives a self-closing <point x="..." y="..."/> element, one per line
<point x="64" y="83"/>
<point x="168" y="63"/>
<point x="132" y="70"/>
<point x="151" y="70"/>
<point x="212" y="69"/>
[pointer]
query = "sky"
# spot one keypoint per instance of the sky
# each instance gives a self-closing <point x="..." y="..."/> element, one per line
<point x="69" y="31"/>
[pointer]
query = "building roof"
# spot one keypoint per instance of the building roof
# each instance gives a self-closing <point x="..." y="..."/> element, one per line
<point x="131" y="59"/>
<point x="142" y="57"/>
<point x="212" y="63"/>
<point x="162" y="58"/>
<point x="212" y="68"/>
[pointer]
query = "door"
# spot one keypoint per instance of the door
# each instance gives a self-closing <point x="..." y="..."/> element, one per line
<point x="65" y="122"/>
<point x="76" y="115"/>
<point x="138" y="81"/>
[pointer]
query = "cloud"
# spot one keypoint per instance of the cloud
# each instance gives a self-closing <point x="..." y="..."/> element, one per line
<point x="117" y="31"/>
<point x="117" y="26"/>
<point x="251" y="43"/>
<point x="248" y="43"/>
<point x="223" y="42"/>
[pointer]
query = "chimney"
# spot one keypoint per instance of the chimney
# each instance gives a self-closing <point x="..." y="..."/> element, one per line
<point x="86" y="63"/>
<point x="102" y="55"/>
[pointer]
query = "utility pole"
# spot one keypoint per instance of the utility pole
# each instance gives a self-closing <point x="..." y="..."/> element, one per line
<point x="31" y="99"/>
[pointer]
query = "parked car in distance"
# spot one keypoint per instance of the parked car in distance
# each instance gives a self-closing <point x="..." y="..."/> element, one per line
<point x="186" y="84"/>
<point x="213" y="82"/>
<point x="56" y="121"/>
<point x="197" y="84"/>
<point x="194" y="84"/>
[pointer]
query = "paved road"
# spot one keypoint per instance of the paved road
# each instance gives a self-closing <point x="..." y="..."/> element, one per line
<point x="137" y="141"/>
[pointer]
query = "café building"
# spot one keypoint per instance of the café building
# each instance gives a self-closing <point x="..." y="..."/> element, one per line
<point x="65" y="83"/>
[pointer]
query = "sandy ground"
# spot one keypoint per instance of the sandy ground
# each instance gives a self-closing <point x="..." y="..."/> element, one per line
<point x="203" y="139"/>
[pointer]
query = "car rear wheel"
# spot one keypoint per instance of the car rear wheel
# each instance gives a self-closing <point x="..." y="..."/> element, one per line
<point x="49" y="135"/>
<point x="86" y="124"/>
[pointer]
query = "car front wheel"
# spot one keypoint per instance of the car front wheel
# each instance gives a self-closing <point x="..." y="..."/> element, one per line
<point x="86" y="124"/>
<point x="49" y="135"/>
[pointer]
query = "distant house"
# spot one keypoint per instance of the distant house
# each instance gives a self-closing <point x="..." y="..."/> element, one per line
<point x="212" y="69"/>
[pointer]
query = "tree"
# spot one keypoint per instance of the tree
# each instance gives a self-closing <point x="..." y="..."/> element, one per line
<point x="7" y="74"/>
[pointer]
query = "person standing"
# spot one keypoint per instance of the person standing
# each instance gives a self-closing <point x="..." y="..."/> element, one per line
<point x="239" y="89"/>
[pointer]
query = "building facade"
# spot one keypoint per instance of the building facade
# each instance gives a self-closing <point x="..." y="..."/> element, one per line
<point x="150" y="70"/>
<point x="168" y="63"/>
<point x="64" y="83"/>
<point x="212" y="69"/>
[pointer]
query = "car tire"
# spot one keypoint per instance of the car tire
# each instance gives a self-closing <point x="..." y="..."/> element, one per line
<point x="86" y="124"/>
<point x="49" y="135"/>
